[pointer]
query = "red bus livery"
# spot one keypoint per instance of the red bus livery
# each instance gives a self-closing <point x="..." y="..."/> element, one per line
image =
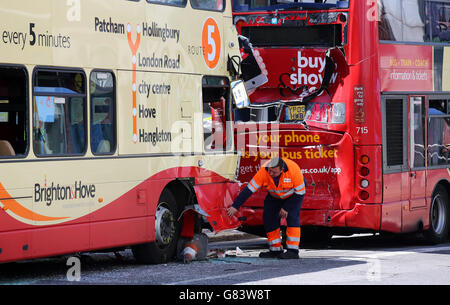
<point x="358" y="94"/>
<point x="107" y="125"/>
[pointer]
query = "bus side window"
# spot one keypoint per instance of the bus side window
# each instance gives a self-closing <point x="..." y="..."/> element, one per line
<point x="395" y="135"/>
<point x="417" y="133"/>
<point x="59" y="112"/>
<point x="216" y="113"/>
<point x="438" y="133"/>
<point x="13" y="111"/>
<point x="103" y="104"/>
<point x="415" y="21"/>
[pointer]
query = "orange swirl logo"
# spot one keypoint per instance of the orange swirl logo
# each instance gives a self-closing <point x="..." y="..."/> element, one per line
<point x="12" y="206"/>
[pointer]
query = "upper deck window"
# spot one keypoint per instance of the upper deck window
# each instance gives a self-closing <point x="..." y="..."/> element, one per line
<point x="249" y="5"/>
<point x="181" y="3"/>
<point x="314" y="26"/>
<point x="210" y="5"/>
<point x="327" y="35"/>
<point x="414" y="20"/>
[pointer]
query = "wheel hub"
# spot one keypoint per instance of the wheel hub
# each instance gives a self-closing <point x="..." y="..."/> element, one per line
<point x="164" y="226"/>
<point x="438" y="215"/>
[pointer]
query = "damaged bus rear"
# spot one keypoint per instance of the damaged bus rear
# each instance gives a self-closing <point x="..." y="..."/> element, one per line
<point x="315" y="108"/>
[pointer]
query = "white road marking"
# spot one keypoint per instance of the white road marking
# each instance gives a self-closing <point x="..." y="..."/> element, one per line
<point x="370" y="272"/>
<point x="403" y="251"/>
<point x="212" y="277"/>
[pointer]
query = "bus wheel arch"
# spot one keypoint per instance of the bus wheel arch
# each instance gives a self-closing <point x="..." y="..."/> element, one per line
<point x="168" y="226"/>
<point x="439" y="214"/>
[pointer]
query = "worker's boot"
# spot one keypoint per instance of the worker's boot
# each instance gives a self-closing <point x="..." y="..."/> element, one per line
<point x="289" y="254"/>
<point x="270" y="254"/>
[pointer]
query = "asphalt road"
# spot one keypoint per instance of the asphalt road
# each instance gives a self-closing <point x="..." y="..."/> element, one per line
<point x="358" y="260"/>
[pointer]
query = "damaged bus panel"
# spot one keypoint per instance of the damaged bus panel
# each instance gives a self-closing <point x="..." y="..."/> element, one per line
<point x="351" y="87"/>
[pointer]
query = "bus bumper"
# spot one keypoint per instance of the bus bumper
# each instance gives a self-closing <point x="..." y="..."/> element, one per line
<point x="362" y="216"/>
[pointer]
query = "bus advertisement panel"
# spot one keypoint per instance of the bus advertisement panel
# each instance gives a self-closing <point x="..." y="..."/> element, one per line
<point x="406" y="68"/>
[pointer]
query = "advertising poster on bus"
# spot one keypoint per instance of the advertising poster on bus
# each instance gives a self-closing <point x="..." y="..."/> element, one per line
<point x="406" y="67"/>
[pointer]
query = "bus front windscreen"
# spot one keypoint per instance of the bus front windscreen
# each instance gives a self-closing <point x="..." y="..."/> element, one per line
<point x="271" y="5"/>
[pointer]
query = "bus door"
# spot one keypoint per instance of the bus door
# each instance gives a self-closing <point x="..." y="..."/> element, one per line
<point x="417" y="169"/>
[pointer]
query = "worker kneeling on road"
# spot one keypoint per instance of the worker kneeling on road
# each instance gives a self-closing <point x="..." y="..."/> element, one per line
<point x="283" y="180"/>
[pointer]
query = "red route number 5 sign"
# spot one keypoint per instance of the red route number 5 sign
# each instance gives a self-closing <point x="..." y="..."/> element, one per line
<point x="211" y="43"/>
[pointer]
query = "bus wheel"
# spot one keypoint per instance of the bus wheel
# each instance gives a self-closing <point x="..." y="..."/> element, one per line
<point x="439" y="216"/>
<point x="167" y="231"/>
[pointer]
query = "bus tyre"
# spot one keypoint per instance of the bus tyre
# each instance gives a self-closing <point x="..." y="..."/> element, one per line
<point x="439" y="216"/>
<point x="167" y="231"/>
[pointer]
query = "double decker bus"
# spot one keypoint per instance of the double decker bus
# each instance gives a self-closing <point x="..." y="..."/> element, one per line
<point x="357" y="92"/>
<point x="104" y="130"/>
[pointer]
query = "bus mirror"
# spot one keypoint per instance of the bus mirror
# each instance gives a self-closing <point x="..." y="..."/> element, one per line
<point x="234" y="65"/>
<point x="240" y="96"/>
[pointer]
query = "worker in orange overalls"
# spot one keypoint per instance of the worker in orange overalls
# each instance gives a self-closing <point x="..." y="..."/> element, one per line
<point x="283" y="180"/>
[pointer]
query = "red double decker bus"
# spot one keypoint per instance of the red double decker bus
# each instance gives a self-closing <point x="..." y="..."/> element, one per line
<point x="358" y="93"/>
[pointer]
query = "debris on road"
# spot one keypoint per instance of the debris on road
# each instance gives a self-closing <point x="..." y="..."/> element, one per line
<point x="193" y="249"/>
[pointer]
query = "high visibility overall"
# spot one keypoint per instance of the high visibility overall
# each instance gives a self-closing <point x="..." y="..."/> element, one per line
<point x="271" y="217"/>
<point x="287" y="193"/>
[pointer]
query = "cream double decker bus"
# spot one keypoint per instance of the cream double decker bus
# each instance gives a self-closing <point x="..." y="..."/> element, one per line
<point x="113" y="124"/>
